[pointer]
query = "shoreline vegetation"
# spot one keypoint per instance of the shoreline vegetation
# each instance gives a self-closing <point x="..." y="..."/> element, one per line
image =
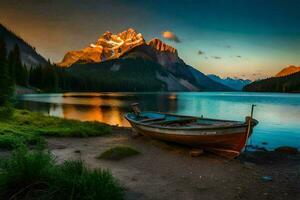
<point x="28" y="127"/>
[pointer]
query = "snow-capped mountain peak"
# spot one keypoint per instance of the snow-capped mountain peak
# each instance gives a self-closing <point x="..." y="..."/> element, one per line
<point x="108" y="46"/>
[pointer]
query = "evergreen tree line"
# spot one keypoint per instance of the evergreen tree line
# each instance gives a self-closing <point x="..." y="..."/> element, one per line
<point x="290" y="83"/>
<point x="13" y="72"/>
<point x="98" y="77"/>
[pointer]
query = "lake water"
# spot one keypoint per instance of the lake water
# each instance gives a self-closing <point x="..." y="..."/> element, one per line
<point x="278" y="114"/>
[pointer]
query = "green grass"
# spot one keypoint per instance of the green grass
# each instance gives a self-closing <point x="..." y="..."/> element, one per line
<point x="35" y="175"/>
<point x="118" y="153"/>
<point x="29" y="127"/>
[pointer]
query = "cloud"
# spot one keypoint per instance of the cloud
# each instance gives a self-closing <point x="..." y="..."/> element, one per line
<point x="227" y="46"/>
<point x="200" y="52"/>
<point x="170" y="36"/>
<point x="216" y="57"/>
<point x="239" y="56"/>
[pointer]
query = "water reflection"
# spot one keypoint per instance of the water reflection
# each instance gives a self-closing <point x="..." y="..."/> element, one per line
<point x="103" y="107"/>
<point x="278" y="114"/>
<point x="110" y="115"/>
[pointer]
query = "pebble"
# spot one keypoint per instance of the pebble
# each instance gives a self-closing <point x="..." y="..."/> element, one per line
<point x="266" y="178"/>
<point x="249" y="165"/>
<point x="196" y="152"/>
<point x="261" y="149"/>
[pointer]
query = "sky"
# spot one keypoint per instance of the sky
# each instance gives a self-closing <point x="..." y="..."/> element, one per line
<point x="237" y="38"/>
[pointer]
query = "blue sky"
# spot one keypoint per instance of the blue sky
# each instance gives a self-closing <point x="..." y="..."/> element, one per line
<point x="242" y="38"/>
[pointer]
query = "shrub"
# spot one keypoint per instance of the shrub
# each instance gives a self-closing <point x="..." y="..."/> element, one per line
<point x="35" y="175"/>
<point x="6" y="112"/>
<point x="118" y="153"/>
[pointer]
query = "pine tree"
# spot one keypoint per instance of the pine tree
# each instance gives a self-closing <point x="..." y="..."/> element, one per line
<point x="50" y="79"/>
<point x="17" y="66"/>
<point x="6" y="83"/>
<point x="11" y="66"/>
<point x="25" y="75"/>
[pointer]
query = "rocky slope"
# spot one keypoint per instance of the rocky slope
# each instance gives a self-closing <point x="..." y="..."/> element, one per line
<point x="129" y="50"/>
<point x="29" y="55"/>
<point x="288" y="71"/>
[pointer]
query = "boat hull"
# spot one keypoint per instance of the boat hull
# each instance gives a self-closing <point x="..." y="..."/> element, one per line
<point x="227" y="142"/>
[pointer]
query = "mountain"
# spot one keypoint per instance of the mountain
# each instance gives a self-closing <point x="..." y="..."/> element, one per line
<point x="288" y="71"/>
<point x="234" y="83"/>
<point x="29" y="56"/>
<point x="108" y="46"/>
<point x="289" y="83"/>
<point x="126" y="58"/>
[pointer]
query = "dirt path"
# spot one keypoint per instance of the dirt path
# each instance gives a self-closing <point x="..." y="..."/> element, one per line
<point x="165" y="171"/>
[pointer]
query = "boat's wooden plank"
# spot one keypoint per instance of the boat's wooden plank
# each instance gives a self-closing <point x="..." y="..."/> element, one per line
<point x="152" y="119"/>
<point x="183" y="120"/>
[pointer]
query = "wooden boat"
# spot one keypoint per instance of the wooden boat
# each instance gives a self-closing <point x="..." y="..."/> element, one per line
<point x="223" y="137"/>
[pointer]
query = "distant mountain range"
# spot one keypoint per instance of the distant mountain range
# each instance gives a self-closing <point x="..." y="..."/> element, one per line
<point x="287" y="80"/>
<point x="29" y="55"/>
<point x="234" y="83"/>
<point x="115" y="60"/>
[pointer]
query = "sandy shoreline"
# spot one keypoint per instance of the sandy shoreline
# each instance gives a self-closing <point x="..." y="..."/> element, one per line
<point x="164" y="171"/>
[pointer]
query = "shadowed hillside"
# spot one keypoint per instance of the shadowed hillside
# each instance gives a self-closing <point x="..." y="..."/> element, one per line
<point x="289" y="83"/>
<point x="29" y="56"/>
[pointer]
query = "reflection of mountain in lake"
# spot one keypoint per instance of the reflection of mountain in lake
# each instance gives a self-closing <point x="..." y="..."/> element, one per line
<point x="109" y="115"/>
<point x="103" y="107"/>
<point x="110" y="109"/>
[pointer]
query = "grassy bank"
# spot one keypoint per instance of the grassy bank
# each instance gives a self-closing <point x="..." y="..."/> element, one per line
<point x="35" y="175"/>
<point x="29" y="127"/>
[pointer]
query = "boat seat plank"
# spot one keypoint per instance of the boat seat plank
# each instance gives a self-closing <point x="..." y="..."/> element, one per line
<point x="152" y="119"/>
<point x="165" y="123"/>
